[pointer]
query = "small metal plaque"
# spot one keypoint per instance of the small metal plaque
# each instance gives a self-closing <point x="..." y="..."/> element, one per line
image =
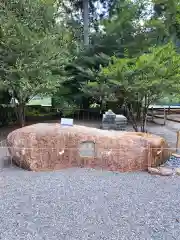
<point x="87" y="149"/>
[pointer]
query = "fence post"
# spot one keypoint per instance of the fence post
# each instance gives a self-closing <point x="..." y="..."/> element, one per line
<point x="169" y="109"/>
<point x="152" y="115"/>
<point x="178" y="141"/>
<point x="165" y="116"/>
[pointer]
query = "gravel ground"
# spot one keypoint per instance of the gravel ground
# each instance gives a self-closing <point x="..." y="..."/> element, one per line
<point x="173" y="162"/>
<point x="77" y="204"/>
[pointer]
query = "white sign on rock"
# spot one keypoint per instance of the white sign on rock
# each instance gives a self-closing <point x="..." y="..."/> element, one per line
<point x="66" y="121"/>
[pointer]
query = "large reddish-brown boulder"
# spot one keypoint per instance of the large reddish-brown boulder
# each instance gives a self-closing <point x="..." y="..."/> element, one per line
<point x="44" y="146"/>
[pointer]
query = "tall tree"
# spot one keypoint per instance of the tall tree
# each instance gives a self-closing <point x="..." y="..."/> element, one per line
<point x="86" y="21"/>
<point x="119" y="36"/>
<point x="33" y="50"/>
<point x="88" y="13"/>
<point x="167" y="15"/>
<point x="144" y="79"/>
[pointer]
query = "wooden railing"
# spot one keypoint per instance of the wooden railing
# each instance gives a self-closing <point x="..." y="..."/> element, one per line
<point x="164" y="114"/>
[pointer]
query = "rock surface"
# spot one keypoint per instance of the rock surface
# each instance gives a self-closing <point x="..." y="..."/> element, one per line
<point x="50" y="146"/>
<point x="160" y="149"/>
<point x="165" y="171"/>
<point x="162" y="171"/>
<point x="178" y="171"/>
<point x="154" y="171"/>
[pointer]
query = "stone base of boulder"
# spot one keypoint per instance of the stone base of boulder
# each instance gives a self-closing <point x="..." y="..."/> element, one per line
<point x="43" y="147"/>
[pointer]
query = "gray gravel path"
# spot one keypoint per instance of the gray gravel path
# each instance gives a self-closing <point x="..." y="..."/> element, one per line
<point x="81" y="204"/>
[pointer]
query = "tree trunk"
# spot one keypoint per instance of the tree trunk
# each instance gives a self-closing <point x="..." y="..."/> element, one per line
<point x="144" y="112"/>
<point x="131" y="116"/>
<point x="21" y="114"/>
<point x="143" y="120"/>
<point x="86" y="22"/>
<point x="138" y="110"/>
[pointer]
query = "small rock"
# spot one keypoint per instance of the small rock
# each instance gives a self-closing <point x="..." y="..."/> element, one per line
<point x="176" y="155"/>
<point x="165" y="171"/>
<point x="178" y="171"/>
<point x="162" y="171"/>
<point x="153" y="171"/>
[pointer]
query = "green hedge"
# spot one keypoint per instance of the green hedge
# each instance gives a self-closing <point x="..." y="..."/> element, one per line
<point x="38" y="111"/>
<point x="7" y="116"/>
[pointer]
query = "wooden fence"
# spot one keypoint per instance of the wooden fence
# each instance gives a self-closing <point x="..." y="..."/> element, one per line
<point x="163" y="114"/>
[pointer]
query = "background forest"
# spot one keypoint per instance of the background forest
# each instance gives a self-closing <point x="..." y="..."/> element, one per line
<point x="89" y="54"/>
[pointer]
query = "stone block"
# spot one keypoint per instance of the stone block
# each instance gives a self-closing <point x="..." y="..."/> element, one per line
<point x="111" y="121"/>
